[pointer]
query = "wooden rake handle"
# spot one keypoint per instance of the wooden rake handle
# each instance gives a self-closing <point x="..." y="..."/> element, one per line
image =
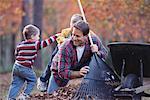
<point x="82" y="12"/>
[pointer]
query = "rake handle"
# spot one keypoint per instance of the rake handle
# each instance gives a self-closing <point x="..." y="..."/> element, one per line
<point x="84" y="18"/>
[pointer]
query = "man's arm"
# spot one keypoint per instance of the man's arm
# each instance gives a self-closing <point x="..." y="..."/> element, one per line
<point x="75" y="74"/>
<point x="64" y="63"/>
<point x="78" y="74"/>
<point x="64" y="66"/>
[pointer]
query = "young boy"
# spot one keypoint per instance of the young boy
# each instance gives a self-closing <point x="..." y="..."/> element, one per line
<point x="26" y="52"/>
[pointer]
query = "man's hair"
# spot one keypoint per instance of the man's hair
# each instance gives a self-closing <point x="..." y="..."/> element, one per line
<point x="30" y="30"/>
<point x="75" y="18"/>
<point x="82" y="26"/>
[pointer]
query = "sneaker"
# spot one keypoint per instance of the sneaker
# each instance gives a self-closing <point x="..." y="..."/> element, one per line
<point x="42" y="86"/>
<point x="23" y="96"/>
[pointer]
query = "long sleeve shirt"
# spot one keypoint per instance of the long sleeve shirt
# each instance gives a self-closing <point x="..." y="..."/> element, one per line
<point x="67" y="60"/>
<point x="26" y="51"/>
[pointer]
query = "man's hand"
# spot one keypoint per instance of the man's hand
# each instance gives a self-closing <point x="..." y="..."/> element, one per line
<point x="84" y="70"/>
<point x="94" y="48"/>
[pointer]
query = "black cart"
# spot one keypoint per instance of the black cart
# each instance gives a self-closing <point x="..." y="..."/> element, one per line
<point x="131" y="61"/>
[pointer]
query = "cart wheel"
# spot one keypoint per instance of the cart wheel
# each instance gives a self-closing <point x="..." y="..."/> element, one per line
<point x="131" y="81"/>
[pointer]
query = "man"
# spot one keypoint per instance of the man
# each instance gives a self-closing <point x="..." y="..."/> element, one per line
<point x="73" y="57"/>
<point x="43" y="79"/>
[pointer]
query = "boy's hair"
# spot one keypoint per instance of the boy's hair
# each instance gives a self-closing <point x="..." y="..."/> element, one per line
<point x="82" y="26"/>
<point x="30" y="30"/>
<point x="75" y="18"/>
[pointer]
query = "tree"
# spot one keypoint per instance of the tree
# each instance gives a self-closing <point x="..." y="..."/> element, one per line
<point x="25" y="17"/>
<point x="37" y="20"/>
<point x="10" y="17"/>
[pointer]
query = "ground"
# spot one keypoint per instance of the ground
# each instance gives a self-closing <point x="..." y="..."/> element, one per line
<point x="4" y="84"/>
<point x="62" y="94"/>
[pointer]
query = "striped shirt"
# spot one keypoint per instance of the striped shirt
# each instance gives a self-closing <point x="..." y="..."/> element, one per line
<point x="26" y="51"/>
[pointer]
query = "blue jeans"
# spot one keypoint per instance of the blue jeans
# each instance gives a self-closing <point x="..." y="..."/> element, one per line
<point x="52" y="86"/>
<point x="20" y="75"/>
<point x="47" y="73"/>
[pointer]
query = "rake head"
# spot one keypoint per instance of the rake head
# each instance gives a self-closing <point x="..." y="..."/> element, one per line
<point x="98" y="83"/>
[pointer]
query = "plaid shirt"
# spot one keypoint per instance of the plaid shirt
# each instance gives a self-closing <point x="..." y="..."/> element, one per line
<point x="66" y="61"/>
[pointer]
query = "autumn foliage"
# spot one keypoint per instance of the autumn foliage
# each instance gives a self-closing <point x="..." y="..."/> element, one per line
<point x="120" y="20"/>
<point x="113" y="20"/>
<point x="10" y="16"/>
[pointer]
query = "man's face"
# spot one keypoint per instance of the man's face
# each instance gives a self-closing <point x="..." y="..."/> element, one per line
<point x="78" y="38"/>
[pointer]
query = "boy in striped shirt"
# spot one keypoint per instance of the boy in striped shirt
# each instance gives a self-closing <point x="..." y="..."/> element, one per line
<point x="26" y="52"/>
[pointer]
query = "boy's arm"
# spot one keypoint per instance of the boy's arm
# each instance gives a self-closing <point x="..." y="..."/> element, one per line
<point x="45" y="43"/>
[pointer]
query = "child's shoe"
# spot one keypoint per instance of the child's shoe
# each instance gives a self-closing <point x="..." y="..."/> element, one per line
<point x="23" y="96"/>
<point x="42" y="86"/>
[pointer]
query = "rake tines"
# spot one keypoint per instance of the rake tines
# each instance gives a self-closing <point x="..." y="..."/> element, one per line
<point x="98" y="83"/>
<point x="93" y="89"/>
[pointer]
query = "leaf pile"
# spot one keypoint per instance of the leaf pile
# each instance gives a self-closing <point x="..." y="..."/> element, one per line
<point x="64" y="93"/>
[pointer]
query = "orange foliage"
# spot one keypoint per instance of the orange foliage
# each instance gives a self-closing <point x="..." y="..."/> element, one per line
<point x="120" y="20"/>
<point x="57" y="15"/>
<point x="114" y="20"/>
<point x="10" y="16"/>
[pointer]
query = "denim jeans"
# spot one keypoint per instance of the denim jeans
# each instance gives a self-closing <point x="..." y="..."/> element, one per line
<point x="47" y="73"/>
<point x="52" y="86"/>
<point x="20" y="75"/>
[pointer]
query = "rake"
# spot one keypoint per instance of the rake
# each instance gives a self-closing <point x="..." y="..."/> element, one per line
<point x="98" y="83"/>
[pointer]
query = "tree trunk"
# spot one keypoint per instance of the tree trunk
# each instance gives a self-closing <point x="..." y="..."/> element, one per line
<point x="7" y="51"/>
<point x="37" y="20"/>
<point x="1" y="55"/>
<point x="12" y="48"/>
<point x="25" y="18"/>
